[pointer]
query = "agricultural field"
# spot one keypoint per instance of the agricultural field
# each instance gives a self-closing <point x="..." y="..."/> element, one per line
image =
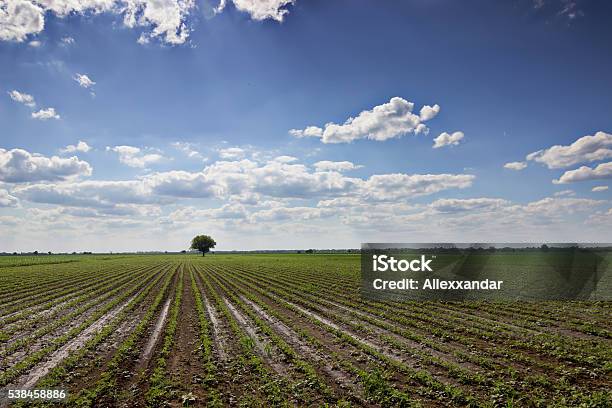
<point x="282" y="330"/>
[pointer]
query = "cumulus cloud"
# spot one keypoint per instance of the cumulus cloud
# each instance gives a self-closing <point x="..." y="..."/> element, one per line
<point x="98" y="194"/>
<point x="28" y="100"/>
<point x="134" y="157"/>
<point x="601" y="219"/>
<point x="557" y="207"/>
<point x="232" y="153"/>
<point x="188" y="149"/>
<point x="260" y="9"/>
<point x="517" y="165"/>
<point x="91" y="199"/>
<point x="599" y="188"/>
<point x="20" y="18"/>
<point x="18" y="166"/>
<point x="166" y="20"/>
<point x="296" y="213"/>
<point x="81" y="146"/>
<point x="309" y="131"/>
<point x="21" y="97"/>
<point x="482" y="215"/>
<point x="479" y="217"/>
<point x="326" y="165"/>
<point x="275" y="179"/>
<point x="7" y="200"/>
<point x="402" y="186"/>
<point x="429" y="112"/>
<point x="601" y="172"/>
<point x="389" y="120"/>
<point x="225" y="212"/>
<point x="182" y="184"/>
<point x="44" y="114"/>
<point x="585" y="149"/>
<point x="285" y="159"/>
<point x="446" y="139"/>
<point x="84" y="81"/>
<point x="451" y="205"/>
<point x="245" y="182"/>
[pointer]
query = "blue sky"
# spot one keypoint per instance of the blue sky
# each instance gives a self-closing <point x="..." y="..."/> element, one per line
<point x="192" y="117"/>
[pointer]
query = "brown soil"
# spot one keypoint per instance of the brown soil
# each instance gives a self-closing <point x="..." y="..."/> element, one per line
<point x="184" y="364"/>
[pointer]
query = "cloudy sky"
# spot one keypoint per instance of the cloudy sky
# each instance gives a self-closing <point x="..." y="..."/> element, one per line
<point x="134" y="124"/>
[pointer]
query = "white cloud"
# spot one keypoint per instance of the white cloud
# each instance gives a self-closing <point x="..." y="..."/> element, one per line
<point x="297" y="213"/>
<point x="232" y="153"/>
<point x="601" y="172"/>
<point x="517" y="165"/>
<point x="81" y="146"/>
<point x="475" y="217"/>
<point x="341" y="202"/>
<point x="134" y="157"/>
<point x="274" y="179"/>
<point x="45" y="114"/>
<point x="94" y="193"/>
<point x="66" y="41"/>
<point x="7" y="200"/>
<point x="451" y="205"/>
<point x="182" y="184"/>
<point x="164" y="19"/>
<point x="20" y="18"/>
<point x="557" y="207"/>
<point x="389" y="120"/>
<point x="310" y="131"/>
<point x="241" y="181"/>
<point x="24" y="98"/>
<point x="35" y="44"/>
<point x="599" y="188"/>
<point x="446" y="139"/>
<point x="404" y="186"/>
<point x="260" y="9"/>
<point x="84" y="81"/>
<point x="601" y="219"/>
<point x="188" y="149"/>
<point x="585" y="149"/>
<point x="285" y="159"/>
<point x="326" y="165"/>
<point x="18" y="165"/>
<point x="225" y="212"/>
<point x="565" y="193"/>
<point x="429" y="112"/>
<point x="167" y="19"/>
<point x="95" y="200"/>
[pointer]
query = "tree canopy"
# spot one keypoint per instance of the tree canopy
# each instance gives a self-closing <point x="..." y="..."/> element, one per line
<point x="203" y="243"/>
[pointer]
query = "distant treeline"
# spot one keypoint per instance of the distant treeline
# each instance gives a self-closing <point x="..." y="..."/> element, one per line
<point x="440" y="249"/>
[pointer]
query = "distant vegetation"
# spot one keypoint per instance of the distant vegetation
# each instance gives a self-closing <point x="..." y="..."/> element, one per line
<point x="203" y="243"/>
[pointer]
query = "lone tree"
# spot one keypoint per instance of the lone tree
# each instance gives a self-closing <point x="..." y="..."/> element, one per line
<point x="203" y="243"/>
